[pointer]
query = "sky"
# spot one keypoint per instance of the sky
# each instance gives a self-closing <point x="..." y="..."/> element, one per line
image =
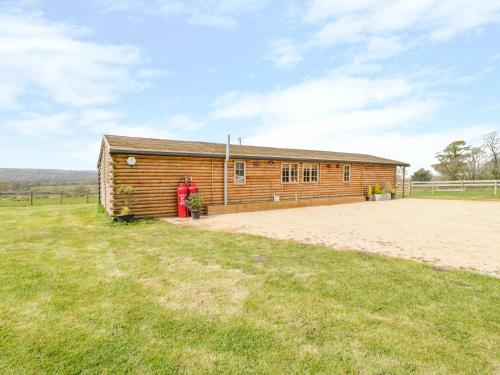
<point x="393" y="78"/>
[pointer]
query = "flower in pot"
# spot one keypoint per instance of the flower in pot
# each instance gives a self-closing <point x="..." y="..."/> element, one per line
<point x="194" y="204"/>
<point x="127" y="194"/>
<point x="369" y="193"/>
<point x="377" y="192"/>
<point x="387" y="191"/>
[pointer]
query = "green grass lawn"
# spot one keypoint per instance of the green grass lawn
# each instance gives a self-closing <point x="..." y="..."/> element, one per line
<point x="79" y="294"/>
<point x="472" y="194"/>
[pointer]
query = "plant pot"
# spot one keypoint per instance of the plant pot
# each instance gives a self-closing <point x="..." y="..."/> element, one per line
<point x="377" y="197"/>
<point x="195" y="214"/>
<point x="124" y="218"/>
<point x="393" y="195"/>
<point x="386" y="197"/>
<point x="368" y="197"/>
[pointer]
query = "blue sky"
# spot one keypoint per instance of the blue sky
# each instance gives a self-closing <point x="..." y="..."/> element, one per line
<point x="394" y="78"/>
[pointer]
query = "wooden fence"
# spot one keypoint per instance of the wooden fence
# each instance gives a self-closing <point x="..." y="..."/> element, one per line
<point x="28" y="198"/>
<point x="456" y="186"/>
<point x="406" y="190"/>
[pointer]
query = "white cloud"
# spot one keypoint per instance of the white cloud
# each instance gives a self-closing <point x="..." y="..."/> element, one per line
<point x="318" y="99"/>
<point x="345" y="112"/>
<point x="342" y="112"/>
<point x="284" y="53"/>
<point x="101" y="121"/>
<point x="43" y="125"/>
<point x="95" y="122"/>
<point x="357" y="20"/>
<point x="379" y="29"/>
<point x="380" y="48"/>
<point x="85" y="151"/>
<point x="215" y="13"/>
<point x="184" y="122"/>
<point x="56" y="61"/>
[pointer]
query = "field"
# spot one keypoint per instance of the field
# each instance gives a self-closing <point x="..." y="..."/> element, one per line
<point x="470" y="194"/>
<point x="44" y="201"/>
<point x="81" y="294"/>
<point x="50" y="195"/>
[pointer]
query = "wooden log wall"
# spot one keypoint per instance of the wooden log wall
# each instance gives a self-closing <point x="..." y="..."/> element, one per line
<point x="106" y="179"/>
<point x="156" y="178"/>
<point x="378" y="174"/>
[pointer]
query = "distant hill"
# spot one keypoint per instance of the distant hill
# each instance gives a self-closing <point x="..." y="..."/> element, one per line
<point x="18" y="177"/>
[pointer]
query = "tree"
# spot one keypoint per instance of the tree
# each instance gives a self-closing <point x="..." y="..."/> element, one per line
<point x="492" y="147"/>
<point x="452" y="160"/>
<point x="474" y="163"/>
<point x="422" y="175"/>
<point x="4" y="185"/>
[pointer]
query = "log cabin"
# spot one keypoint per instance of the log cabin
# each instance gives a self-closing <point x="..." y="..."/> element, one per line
<point x="233" y="178"/>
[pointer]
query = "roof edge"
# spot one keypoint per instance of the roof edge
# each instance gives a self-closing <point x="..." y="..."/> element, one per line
<point x="250" y="157"/>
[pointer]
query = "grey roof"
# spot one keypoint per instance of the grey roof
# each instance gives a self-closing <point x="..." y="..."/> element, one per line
<point x="150" y="146"/>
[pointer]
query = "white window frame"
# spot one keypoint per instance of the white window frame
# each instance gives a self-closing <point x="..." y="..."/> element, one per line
<point x="310" y="166"/>
<point x="236" y="181"/>
<point x="289" y="166"/>
<point x="343" y="173"/>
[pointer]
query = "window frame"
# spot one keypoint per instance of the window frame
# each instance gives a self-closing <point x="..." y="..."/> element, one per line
<point x="290" y="173"/>
<point x="343" y="173"/>
<point x="235" y="180"/>
<point x="310" y="166"/>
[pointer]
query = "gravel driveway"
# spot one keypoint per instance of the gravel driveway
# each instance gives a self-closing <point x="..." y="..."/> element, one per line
<point x="458" y="234"/>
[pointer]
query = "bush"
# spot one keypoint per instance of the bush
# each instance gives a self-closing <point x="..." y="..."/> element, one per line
<point x="127" y="193"/>
<point x="377" y="189"/>
<point x="194" y="202"/>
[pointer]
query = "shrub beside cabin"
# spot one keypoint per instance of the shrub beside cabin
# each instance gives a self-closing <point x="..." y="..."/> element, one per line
<point x="257" y="177"/>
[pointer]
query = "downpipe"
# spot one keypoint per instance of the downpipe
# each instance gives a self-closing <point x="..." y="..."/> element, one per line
<point x="226" y="161"/>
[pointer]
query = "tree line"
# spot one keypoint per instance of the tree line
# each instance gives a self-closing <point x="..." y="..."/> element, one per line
<point x="461" y="161"/>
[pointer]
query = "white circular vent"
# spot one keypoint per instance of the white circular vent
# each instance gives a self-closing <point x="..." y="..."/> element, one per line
<point x="131" y="161"/>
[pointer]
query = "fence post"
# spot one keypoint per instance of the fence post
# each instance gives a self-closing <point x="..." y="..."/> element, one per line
<point x="61" y="196"/>
<point x="463" y="189"/>
<point x="433" y="187"/>
<point x="31" y="197"/>
<point x="87" y="196"/>
<point x="496" y="183"/>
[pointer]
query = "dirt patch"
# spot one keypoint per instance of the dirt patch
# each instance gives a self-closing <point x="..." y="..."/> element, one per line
<point x="204" y="288"/>
<point x="457" y="234"/>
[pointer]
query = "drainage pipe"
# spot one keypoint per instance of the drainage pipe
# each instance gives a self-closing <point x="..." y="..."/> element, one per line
<point x="226" y="161"/>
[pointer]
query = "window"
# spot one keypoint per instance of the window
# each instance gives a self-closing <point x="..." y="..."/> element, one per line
<point x="289" y="173"/>
<point x="239" y="172"/>
<point x="347" y="173"/>
<point x="310" y="173"/>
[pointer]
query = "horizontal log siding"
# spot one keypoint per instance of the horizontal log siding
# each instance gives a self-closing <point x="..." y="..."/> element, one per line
<point x="379" y="174"/>
<point x="156" y="178"/>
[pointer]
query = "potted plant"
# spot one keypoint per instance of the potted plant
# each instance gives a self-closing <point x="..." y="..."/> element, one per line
<point x="393" y="193"/>
<point x="127" y="193"/>
<point x="377" y="193"/>
<point x="369" y="193"/>
<point x="194" y="204"/>
<point x="387" y="192"/>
